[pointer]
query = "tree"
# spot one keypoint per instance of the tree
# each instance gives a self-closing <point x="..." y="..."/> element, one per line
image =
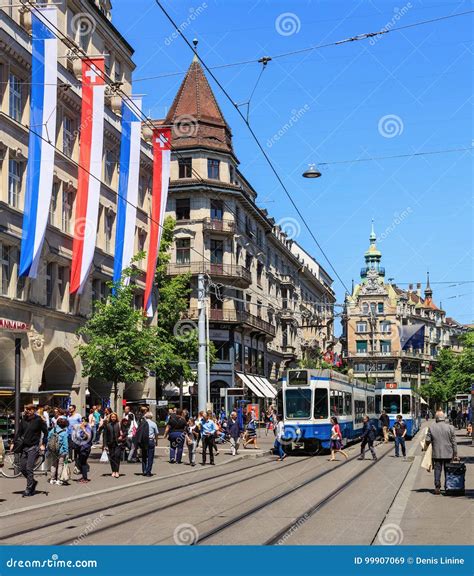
<point x="118" y="344"/>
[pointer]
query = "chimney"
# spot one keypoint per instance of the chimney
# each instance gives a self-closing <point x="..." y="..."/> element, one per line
<point x="418" y="290"/>
<point x="410" y="287"/>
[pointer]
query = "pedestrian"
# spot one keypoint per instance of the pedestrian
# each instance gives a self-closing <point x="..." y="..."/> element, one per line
<point x="336" y="440"/>
<point x="385" y="423"/>
<point x="442" y="438"/>
<point x="82" y="438"/>
<point x="96" y="412"/>
<point x="74" y="419"/>
<point x="58" y="450"/>
<point x="150" y="436"/>
<point x="368" y="437"/>
<point x="400" y="431"/>
<point x="216" y="433"/>
<point x="28" y="443"/>
<point x="91" y="420"/>
<point x="208" y="429"/>
<point x="113" y="442"/>
<point x="235" y="433"/>
<point x="280" y="428"/>
<point x="453" y="415"/>
<point x="192" y="435"/>
<point x="250" y="436"/>
<point x="129" y="442"/>
<point x="46" y="415"/>
<point x="175" y="431"/>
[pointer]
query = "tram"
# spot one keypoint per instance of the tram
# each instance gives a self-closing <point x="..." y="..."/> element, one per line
<point x="311" y="397"/>
<point x="395" y="399"/>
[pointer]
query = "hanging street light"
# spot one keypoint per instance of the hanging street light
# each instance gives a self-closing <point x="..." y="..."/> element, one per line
<point x="312" y="172"/>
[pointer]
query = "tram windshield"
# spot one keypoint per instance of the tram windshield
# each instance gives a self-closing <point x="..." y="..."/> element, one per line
<point x="298" y="403"/>
<point x="391" y="403"/>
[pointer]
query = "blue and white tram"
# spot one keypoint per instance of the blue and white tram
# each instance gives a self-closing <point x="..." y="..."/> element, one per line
<point x="311" y="397"/>
<point x="395" y="400"/>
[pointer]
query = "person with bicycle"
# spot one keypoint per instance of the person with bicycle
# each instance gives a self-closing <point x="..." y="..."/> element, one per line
<point x="28" y="443"/>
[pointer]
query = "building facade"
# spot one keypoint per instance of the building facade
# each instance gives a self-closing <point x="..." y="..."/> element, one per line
<point x="269" y="300"/>
<point x="41" y="311"/>
<point x="391" y="334"/>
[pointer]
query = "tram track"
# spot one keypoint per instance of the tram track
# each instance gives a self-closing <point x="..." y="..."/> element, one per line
<point x="59" y="522"/>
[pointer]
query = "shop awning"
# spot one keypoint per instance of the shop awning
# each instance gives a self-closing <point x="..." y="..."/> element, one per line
<point x="423" y="401"/>
<point x="263" y="389"/>
<point x="251" y="385"/>
<point x="272" y="392"/>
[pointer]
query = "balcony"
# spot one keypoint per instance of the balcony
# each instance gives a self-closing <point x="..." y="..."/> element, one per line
<point x="217" y="226"/>
<point x="236" y="317"/>
<point x="287" y="280"/>
<point x="231" y="274"/>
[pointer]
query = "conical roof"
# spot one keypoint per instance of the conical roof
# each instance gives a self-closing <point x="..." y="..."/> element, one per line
<point x="195" y="115"/>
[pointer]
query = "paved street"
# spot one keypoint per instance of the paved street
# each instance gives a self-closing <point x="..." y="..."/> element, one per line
<point x="247" y="500"/>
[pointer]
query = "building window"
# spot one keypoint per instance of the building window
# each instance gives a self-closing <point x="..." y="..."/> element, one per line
<point x="183" y="251"/>
<point x="259" y="309"/>
<point x="141" y="240"/>
<point x="361" y="327"/>
<point x="109" y="165"/>
<point x="217" y="251"/>
<point x="143" y="187"/>
<point x="259" y="272"/>
<point x="365" y="308"/>
<point x="118" y="71"/>
<point x="361" y="346"/>
<point x="248" y="261"/>
<point x="213" y="169"/>
<point x="183" y="208"/>
<point x="385" y="346"/>
<point x="99" y="290"/>
<point x="380" y="307"/>
<point x="185" y="167"/>
<point x="217" y="209"/>
<point x="231" y="174"/>
<point x="108" y="229"/>
<point x="49" y="284"/>
<point x="14" y="183"/>
<point x="107" y="60"/>
<point x="238" y="252"/>
<point x="385" y="327"/>
<point x="6" y="268"/>
<point x="68" y="136"/>
<point x="83" y="35"/>
<point x="15" y="104"/>
<point x="61" y="284"/>
<point x="54" y="203"/>
<point x="68" y="202"/>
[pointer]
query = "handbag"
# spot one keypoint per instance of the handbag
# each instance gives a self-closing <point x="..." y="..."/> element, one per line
<point x="104" y="457"/>
<point x="66" y="472"/>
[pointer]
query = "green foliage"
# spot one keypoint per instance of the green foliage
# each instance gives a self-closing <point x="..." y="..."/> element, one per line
<point x="453" y="373"/>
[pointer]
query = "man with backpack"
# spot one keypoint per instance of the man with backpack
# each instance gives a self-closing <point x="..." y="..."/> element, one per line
<point x="58" y="450"/>
<point x="400" y="431"/>
<point x="369" y="433"/>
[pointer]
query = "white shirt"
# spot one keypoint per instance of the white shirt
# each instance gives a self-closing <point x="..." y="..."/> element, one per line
<point x="279" y="430"/>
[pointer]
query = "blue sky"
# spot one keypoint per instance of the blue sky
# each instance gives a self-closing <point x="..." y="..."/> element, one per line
<point x="401" y="93"/>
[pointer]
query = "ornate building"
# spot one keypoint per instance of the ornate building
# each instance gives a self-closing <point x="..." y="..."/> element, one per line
<point x="391" y="334"/>
<point x="269" y="299"/>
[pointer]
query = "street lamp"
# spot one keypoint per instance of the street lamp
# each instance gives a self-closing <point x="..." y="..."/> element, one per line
<point x="312" y="172"/>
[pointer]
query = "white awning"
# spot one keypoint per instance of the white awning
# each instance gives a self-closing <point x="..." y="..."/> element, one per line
<point x="263" y="389"/>
<point x="272" y="388"/>
<point x="263" y="385"/>
<point x="253" y="387"/>
<point x="423" y="401"/>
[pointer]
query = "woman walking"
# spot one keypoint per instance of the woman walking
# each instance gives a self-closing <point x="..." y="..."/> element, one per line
<point x="82" y="438"/>
<point x="175" y="431"/>
<point x="336" y="440"/>
<point x="251" y="433"/>
<point x="114" y="440"/>
<point x="279" y="439"/>
<point x="58" y="450"/>
<point x="192" y="435"/>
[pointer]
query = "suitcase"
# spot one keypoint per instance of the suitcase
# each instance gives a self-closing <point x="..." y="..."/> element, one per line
<point x="455" y="478"/>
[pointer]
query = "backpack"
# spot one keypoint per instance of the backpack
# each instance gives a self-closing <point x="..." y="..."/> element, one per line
<point x="54" y="443"/>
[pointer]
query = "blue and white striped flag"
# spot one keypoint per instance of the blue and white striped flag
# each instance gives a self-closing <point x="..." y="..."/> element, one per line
<point x="39" y="175"/>
<point x="128" y="185"/>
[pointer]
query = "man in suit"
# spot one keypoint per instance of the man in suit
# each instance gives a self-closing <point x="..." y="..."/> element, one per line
<point x="442" y="438"/>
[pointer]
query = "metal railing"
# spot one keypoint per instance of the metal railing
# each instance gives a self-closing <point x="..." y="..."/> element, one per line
<point x="220" y="270"/>
<point x="216" y="225"/>
<point x="235" y="316"/>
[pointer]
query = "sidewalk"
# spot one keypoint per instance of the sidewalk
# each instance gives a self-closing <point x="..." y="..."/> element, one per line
<point x="420" y="517"/>
<point x="130" y="474"/>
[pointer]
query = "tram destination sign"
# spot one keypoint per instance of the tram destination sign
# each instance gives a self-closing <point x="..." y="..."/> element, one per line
<point x="391" y="385"/>
<point x="14" y="325"/>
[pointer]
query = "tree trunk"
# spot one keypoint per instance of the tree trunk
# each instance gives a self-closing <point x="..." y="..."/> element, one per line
<point x="116" y="397"/>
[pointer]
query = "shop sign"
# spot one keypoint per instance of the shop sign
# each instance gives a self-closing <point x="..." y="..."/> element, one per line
<point x="14" y="325"/>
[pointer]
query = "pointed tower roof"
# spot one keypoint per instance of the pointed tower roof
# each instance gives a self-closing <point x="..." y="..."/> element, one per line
<point x="195" y="115"/>
<point x="372" y="257"/>
<point x="429" y="294"/>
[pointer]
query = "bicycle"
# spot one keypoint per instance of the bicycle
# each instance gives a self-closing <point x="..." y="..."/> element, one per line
<point x="11" y="464"/>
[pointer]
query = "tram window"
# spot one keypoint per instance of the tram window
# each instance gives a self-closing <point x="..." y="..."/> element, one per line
<point x="297" y="378"/>
<point x="359" y="406"/>
<point x="320" y="403"/>
<point x="377" y="404"/>
<point x="406" y="403"/>
<point x="298" y="403"/>
<point x="371" y="404"/>
<point x="347" y="404"/>
<point x="391" y="403"/>
<point x="337" y="403"/>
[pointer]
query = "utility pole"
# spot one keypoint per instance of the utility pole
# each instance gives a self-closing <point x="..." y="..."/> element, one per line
<point x="17" y="384"/>
<point x="202" y="372"/>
